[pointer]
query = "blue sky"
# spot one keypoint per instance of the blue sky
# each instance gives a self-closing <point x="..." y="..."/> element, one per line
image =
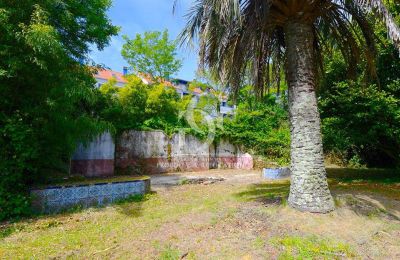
<point x="138" y="16"/>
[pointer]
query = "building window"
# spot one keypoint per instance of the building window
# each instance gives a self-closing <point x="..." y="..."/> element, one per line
<point x="223" y="103"/>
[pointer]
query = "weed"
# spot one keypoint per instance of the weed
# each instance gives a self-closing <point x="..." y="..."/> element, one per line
<point x="338" y="202"/>
<point x="295" y="247"/>
<point x="169" y="253"/>
<point x="183" y="181"/>
<point x="7" y="230"/>
<point x="258" y="243"/>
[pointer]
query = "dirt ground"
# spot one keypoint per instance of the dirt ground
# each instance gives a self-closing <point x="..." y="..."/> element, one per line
<point x="234" y="215"/>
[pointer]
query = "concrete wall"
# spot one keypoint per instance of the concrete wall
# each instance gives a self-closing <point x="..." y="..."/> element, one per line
<point x="228" y="156"/>
<point x="56" y="199"/>
<point x="155" y="152"/>
<point x="96" y="159"/>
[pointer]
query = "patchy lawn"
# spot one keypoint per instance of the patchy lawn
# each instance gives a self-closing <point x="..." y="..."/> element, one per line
<point x="231" y="219"/>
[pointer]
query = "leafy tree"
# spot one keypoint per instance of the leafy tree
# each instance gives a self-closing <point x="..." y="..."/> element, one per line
<point x="261" y="126"/>
<point x="241" y="36"/>
<point x="362" y="122"/>
<point x="359" y="116"/>
<point x="46" y="95"/>
<point x="142" y="107"/>
<point x="162" y="109"/>
<point x="152" y="53"/>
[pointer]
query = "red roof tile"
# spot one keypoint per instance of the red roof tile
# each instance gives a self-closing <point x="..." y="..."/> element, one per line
<point x="150" y="80"/>
<point x="109" y="74"/>
<point x="197" y="90"/>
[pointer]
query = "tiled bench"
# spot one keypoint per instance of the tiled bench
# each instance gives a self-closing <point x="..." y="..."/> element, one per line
<point x="59" y="198"/>
<point x="276" y="173"/>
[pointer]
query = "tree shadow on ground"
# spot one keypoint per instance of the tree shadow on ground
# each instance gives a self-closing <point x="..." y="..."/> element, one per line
<point x="133" y="206"/>
<point x="368" y="204"/>
<point x="386" y="176"/>
<point x="367" y="192"/>
<point x="362" y="203"/>
<point x="267" y="193"/>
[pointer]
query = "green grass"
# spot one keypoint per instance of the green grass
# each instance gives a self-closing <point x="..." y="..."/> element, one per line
<point x="296" y="247"/>
<point x="7" y="230"/>
<point x="134" y="223"/>
<point x="170" y="253"/>
<point x="258" y="243"/>
<point x="96" y="229"/>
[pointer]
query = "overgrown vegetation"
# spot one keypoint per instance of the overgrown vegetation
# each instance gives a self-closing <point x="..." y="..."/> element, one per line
<point x="48" y="103"/>
<point x="45" y="93"/>
<point x="260" y="126"/>
<point x="361" y="124"/>
<point x="180" y="221"/>
<point x="361" y="116"/>
<point x="142" y="107"/>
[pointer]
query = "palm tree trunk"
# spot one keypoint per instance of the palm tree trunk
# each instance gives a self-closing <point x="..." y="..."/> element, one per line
<point x="309" y="187"/>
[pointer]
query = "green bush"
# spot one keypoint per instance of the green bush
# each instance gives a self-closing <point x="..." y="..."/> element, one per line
<point x="261" y="126"/>
<point x="362" y="123"/>
<point x="46" y="95"/>
<point x="141" y="107"/>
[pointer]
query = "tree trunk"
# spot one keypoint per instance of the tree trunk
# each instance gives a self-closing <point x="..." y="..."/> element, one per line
<point x="309" y="187"/>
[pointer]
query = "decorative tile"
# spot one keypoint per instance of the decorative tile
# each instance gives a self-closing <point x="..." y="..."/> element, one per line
<point x="53" y="194"/>
<point x="81" y="192"/>
<point x="118" y="188"/>
<point x="67" y="193"/>
<point x="106" y="190"/>
<point x="54" y="200"/>
<point x="94" y="190"/>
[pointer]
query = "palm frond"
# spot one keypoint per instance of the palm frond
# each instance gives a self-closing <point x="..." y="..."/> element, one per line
<point x="378" y="7"/>
<point x="241" y="39"/>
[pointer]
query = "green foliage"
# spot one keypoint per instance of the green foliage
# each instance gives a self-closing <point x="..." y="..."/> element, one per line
<point x="261" y="126"/>
<point x="362" y="123"/>
<point x="46" y="96"/>
<point x="197" y="84"/>
<point x="153" y="54"/>
<point x="360" y="118"/>
<point x="142" y="107"/>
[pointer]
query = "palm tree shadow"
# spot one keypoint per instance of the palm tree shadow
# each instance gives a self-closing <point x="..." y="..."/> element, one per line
<point x="361" y="203"/>
<point x="369" y="205"/>
<point x="267" y="193"/>
<point x="366" y="175"/>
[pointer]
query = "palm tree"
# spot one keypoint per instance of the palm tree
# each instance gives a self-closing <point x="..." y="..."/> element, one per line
<point x="238" y="36"/>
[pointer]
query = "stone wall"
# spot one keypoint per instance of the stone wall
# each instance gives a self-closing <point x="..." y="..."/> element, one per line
<point x="96" y="159"/>
<point x="56" y="199"/>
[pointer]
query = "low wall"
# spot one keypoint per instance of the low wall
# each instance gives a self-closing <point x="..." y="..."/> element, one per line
<point x="56" y="199"/>
<point x="96" y="159"/>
